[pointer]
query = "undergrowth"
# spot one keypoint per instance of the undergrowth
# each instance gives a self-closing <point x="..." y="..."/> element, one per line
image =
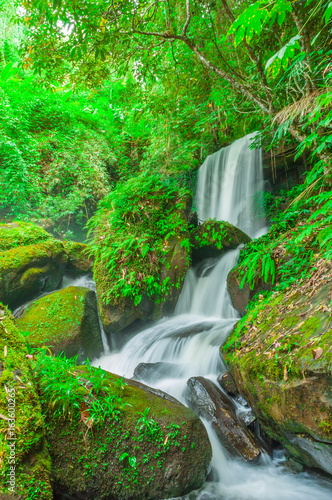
<point x="131" y="232"/>
<point x="67" y="389"/>
<point x="287" y="253"/>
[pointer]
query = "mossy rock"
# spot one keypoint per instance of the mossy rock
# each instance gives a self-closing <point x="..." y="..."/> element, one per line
<point x="213" y="238"/>
<point x="66" y="320"/>
<point x="117" y="315"/>
<point x="79" y="262"/>
<point x="280" y="354"/>
<point x="32" y="463"/>
<point x="27" y="271"/>
<point x="18" y="234"/>
<point x="117" y="459"/>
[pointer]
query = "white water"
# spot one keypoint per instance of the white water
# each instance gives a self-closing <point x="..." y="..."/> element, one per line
<point x="230" y="186"/>
<point x="203" y="319"/>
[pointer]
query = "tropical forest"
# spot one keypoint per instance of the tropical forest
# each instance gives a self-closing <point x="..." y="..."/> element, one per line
<point x="165" y="249"/>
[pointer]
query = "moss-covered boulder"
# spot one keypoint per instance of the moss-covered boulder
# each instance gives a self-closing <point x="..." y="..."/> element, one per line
<point x="213" y="238"/>
<point x="18" y="234"/>
<point x="116" y="314"/>
<point x="27" y="271"/>
<point x="24" y="459"/>
<point x="280" y="354"/>
<point x="78" y="262"/>
<point x="139" y="444"/>
<point x="66" y="320"/>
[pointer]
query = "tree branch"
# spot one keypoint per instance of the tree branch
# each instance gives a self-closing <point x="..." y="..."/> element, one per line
<point x="186" y="24"/>
<point x="252" y="55"/>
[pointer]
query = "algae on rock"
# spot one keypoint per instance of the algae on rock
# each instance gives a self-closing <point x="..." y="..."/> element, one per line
<point x="21" y="419"/>
<point x="26" y="272"/>
<point x="65" y="320"/>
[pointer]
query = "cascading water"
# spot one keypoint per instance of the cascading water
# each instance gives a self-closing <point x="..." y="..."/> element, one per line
<point x="230" y="186"/>
<point x="204" y="317"/>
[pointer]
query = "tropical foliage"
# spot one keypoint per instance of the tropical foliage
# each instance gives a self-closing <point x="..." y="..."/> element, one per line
<point x="102" y="100"/>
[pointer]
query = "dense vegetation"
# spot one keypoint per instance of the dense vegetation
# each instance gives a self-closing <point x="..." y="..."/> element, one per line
<point x="107" y="109"/>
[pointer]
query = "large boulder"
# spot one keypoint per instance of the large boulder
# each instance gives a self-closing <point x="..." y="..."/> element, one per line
<point x="18" y="234"/>
<point x="28" y="271"/>
<point x="210" y="402"/>
<point x="117" y="315"/>
<point x="66" y="320"/>
<point x="152" y="447"/>
<point x="24" y="457"/>
<point x="213" y="238"/>
<point x="280" y="354"/>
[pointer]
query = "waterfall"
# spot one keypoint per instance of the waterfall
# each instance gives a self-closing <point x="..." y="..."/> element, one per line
<point x="230" y="186"/>
<point x="228" y="183"/>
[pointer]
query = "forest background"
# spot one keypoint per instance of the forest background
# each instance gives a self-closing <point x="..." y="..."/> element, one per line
<point x="106" y="104"/>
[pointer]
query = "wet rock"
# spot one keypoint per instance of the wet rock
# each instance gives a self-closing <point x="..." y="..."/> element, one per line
<point x="213" y="238"/>
<point x="280" y="356"/>
<point x="170" y="462"/>
<point x="66" y="320"/>
<point x="246" y="415"/>
<point x="193" y="219"/>
<point x="18" y="394"/>
<point x="316" y="453"/>
<point x="79" y="262"/>
<point x="227" y="382"/>
<point x="210" y="402"/>
<point x="152" y="372"/>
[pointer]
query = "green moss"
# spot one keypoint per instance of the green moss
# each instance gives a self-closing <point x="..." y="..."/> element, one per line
<point x="27" y="271"/>
<point x="20" y="257"/>
<point x="219" y="234"/>
<point x="123" y="457"/>
<point x="64" y="320"/>
<point x="32" y="461"/>
<point x="273" y="355"/>
<point x="79" y="261"/>
<point x="18" y="234"/>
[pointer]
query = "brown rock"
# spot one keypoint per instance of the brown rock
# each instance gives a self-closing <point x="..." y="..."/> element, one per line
<point x="213" y="404"/>
<point x="227" y="382"/>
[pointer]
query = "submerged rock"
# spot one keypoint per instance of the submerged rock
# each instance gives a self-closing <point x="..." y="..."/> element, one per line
<point x="155" y="448"/>
<point x="151" y="372"/>
<point x="21" y="419"/>
<point x="210" y="402"/>
<point x="280" y="355"/>
<point x="213" y="238"/>
<point x="66" y="320"/>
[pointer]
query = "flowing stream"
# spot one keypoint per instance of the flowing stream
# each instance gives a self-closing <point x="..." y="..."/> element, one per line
<point x="228" y="189"/>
